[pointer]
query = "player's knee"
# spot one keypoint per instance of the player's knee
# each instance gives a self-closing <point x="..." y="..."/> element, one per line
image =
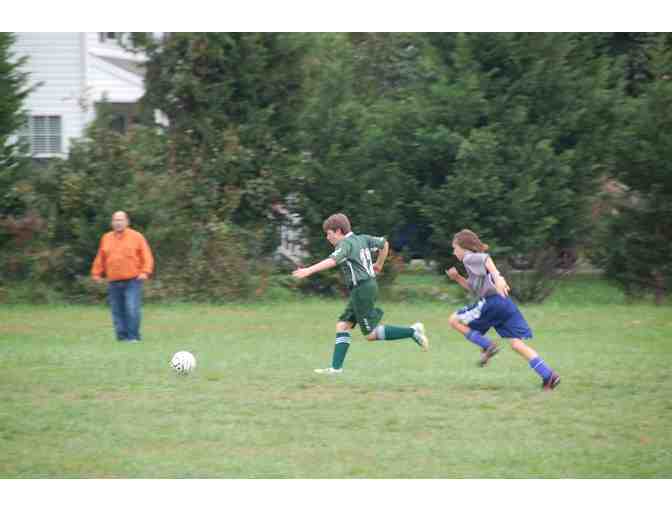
<point x="342" y="326"/>
<point x="454" y="321"/>
<point x="372" y="336"/>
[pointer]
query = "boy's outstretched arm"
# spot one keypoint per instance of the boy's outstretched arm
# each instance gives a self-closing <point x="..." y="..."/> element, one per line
<point x="454" y="275"/>
<point x="304" y="272"/>
<point x="382" y="255"/>
<point x="500" y="283"/>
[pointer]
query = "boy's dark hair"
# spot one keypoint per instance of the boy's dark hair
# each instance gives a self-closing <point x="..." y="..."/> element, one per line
<point x="468" y="240"/>
<point x="336" y="222"/>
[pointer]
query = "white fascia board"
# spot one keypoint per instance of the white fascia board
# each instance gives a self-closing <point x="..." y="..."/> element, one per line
<point x="117" y="72"/>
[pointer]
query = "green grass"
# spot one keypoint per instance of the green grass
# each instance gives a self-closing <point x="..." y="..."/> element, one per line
<point x="75" y="403"/>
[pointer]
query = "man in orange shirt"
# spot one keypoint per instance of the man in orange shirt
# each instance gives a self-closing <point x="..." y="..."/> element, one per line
<point x="126" y="261"/>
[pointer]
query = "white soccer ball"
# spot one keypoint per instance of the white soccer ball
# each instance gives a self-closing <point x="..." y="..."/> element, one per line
<point x="183" y="362"/>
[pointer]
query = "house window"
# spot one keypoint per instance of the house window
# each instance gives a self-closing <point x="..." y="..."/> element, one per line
<point x="119" y="123"/>
<point x="119" y="117"/>
<point x="43" y="135"/>
<point x="107" y="36"/>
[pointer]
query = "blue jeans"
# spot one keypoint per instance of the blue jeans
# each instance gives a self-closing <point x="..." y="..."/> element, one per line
<point x="125" y="298"/>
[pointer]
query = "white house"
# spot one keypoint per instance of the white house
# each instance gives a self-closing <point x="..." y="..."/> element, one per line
<point x="77" y="71"/>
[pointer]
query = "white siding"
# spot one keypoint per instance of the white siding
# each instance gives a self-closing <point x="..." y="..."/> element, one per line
<point x="76" y="71"/>
<point x="108" y="80"/>
<point x="56" y="60"/>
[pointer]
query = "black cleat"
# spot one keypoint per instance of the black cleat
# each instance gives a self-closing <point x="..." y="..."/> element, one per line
<point x="551" y="383"/>
<point x="487" y="354"/>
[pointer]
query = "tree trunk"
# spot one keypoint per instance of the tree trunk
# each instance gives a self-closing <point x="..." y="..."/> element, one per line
<point x="659" y="285"/>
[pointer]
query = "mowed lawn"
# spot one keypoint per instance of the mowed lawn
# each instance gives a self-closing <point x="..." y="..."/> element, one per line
<point x="75" y="403"/>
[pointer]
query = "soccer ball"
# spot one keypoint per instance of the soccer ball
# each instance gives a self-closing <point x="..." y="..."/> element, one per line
<point x="183" y="362"/>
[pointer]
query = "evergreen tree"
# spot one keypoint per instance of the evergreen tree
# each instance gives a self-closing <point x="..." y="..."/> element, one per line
<point x="527" y="140"/>
<point x="231" y="100"/>
<point x="354" y="150"/>
<point x="13" y="92"/>
<point x="635" y="245"/>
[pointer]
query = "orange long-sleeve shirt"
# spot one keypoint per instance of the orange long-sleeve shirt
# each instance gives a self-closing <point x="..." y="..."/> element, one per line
<point x="123" y="256"/>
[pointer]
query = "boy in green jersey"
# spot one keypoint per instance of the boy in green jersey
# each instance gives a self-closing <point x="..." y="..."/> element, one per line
<point x="353" y="253"/>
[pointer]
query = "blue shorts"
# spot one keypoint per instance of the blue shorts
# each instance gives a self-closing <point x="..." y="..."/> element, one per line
<point x="496" y="312"/>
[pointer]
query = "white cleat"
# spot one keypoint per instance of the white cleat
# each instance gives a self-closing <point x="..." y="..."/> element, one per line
<point x="330" y="371"/>
<point x="420" y="337"/>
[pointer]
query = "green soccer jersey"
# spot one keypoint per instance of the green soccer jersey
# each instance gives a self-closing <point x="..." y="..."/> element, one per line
<point x="353" y="254"/>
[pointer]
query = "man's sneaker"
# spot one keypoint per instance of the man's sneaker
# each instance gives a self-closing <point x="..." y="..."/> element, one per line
<point x="551" y="383"/>
<point x="420" y="336"/>
<point x="329" y="370"/>
<point x="487" y="354"/>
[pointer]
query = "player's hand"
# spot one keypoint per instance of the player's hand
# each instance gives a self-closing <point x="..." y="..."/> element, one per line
<point x="142" y="276"/>
<point x="377" y="268"/>
<point x="98" y="279"/>
<point x="502" y="287"/>
<point x="452" y="273"/>
<point x="300" y="273"/>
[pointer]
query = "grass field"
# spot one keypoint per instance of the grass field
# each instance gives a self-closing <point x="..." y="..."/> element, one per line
<point x="75" y="403"/>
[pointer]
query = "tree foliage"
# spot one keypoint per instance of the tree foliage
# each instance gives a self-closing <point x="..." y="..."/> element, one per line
<point x="634" y="243"/>
<point x="13" y="92"/>
<point x="414" y="136"/>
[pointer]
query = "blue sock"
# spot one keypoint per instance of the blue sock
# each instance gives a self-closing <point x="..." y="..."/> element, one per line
<point x="480" y="340"/>
<point x="540" y="367"/>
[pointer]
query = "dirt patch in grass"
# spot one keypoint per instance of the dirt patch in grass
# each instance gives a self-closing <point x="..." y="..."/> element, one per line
<point x="42" y="397"/>
<point x="15" y="329"/>
<point x="327" y="393"/>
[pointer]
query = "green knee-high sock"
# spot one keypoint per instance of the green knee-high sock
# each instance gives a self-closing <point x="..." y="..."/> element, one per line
<point x="340" y="349"/>
<point x="397" y="332"/>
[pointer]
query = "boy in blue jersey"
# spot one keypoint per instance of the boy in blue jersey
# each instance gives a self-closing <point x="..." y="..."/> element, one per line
<point x="493" y="309"/>
<point x="353" y="253"/>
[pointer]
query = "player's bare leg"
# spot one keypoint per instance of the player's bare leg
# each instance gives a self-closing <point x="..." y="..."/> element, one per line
<point x="523" y="349"/>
